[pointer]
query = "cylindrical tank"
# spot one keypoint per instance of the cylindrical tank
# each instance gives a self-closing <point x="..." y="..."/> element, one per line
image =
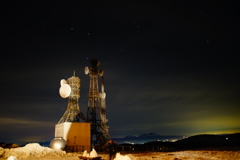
<point x="58" y="143"/>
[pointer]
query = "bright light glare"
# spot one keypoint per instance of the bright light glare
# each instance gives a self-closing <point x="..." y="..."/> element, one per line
<point x="57" y="146"/>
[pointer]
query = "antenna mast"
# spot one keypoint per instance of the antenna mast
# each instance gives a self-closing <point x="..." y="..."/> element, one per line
<point x="70" y="89"/>
<point x="96" y="114"/>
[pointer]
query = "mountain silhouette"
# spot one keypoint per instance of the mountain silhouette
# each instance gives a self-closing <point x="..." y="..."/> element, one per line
<point x="143" y="138"/>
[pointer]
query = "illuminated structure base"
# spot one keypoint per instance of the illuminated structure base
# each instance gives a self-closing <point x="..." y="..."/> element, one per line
<point x="77" y="135"/>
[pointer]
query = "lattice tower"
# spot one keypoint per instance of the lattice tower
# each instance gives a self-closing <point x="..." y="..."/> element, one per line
<point x="96" y="114"/>
<point x="73" y="112"/>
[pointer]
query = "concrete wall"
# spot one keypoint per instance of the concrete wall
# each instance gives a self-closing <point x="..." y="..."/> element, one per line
<point x="77" y="135"/>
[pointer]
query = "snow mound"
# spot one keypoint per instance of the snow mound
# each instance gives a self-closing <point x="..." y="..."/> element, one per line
<point x="85" y="154"/>
<point x="1" y="151"/>
<point x="12" y="158"/>
<point x="93" y="153"/>
<point x="32" y="149"/>
<point x="122" y="157"/>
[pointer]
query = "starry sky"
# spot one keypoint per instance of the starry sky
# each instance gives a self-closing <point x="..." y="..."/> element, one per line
<point x="170" y="67"/>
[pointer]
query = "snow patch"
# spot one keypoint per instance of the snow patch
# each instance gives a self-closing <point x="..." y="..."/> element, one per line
<point x="93" y="153"/>
<point x="31" y="149"/>
<point x="122" y="157"/>
<point x="12" y="158"/>
<point x="85" y="154"/>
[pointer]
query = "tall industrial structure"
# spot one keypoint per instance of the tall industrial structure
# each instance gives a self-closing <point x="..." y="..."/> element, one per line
<point x="96" y="112"/>
<point x="70" y="133"/>
<point x="70" y="89"/>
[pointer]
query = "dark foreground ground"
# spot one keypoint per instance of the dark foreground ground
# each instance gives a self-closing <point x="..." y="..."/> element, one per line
<point x="37" y="152"/>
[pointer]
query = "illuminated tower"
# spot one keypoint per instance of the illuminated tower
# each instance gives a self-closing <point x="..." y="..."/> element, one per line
<point x="70" y="89"/>
<point x="71" y="134"/>
<point x="96" y="107"/>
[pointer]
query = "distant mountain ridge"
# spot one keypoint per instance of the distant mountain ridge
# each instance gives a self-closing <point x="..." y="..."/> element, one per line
<point x="143" y="138"/>
<point x="180" y="142"/>
<point x="230" y="141"/>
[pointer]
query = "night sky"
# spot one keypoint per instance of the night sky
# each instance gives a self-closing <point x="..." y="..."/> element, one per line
<point x="170" y="67"/>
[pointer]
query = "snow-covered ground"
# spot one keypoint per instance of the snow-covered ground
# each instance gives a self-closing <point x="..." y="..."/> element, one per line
<point x="34" y="151"/>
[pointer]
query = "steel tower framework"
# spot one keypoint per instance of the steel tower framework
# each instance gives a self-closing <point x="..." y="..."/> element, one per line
<point x="73" y="112"/>
<point x="96" y="107"/>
